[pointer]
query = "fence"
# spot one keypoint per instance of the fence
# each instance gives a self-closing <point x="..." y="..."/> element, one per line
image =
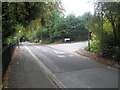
<point x="6" y="57"/>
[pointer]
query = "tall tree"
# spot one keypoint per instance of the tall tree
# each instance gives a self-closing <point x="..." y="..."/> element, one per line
<point x="110" y="11"/>
<point x="105" y="27"/>
<point x="14" y="13"/>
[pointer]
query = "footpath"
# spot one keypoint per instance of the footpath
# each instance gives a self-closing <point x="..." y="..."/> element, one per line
<point x="23" y="72"/>
<point x="95" y="57"/>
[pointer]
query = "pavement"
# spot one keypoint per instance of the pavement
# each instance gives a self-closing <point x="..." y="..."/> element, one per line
<point x="60" y="64"/>
<point x="111" y="63"/>
<point x="26" y="73"/>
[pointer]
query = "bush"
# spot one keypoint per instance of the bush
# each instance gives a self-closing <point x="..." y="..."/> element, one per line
<point x="93" y="46"/>
<point x="47" y="41"/>
<point x="108" y="48"/>
<point x="86" y="48"/>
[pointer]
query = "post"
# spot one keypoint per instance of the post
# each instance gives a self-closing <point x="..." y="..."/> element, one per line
<point x="89" y="38"/>
<point x="41" y="35"/>
<point x="88" y="41"/>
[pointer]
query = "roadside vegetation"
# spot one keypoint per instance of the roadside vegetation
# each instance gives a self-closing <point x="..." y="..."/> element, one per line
<point x="21" y="19"/>
<point x="105" y="30"/>
<point x="60" y="27"/>
<point x="45" y="22"/>
<point x="41" y="21"/>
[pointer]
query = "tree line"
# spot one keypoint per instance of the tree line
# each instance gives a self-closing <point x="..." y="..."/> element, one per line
<point x="17" y="16"/>
<point x="41" y="21"/>
<point x="60" y="27"/>
<point x="46" y="22"/>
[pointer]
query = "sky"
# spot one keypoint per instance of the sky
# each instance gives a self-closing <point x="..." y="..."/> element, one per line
<point x="77" y="7"/>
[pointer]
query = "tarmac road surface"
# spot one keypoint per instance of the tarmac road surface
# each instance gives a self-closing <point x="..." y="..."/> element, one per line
<point x="73" y="70"/>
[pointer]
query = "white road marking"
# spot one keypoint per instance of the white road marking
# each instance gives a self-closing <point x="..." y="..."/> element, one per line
<point x="61" y="55"/>
<point x="46" y="70"/>
<point x="71" y="55"/>
<point x="44" y="50"/>
<point x="59" y="52"/>
<point x="41" y="49"/>
<point x="37" y="47"/>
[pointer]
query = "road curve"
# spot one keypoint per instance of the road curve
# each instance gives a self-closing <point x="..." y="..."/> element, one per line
<point x="73" y="70"/>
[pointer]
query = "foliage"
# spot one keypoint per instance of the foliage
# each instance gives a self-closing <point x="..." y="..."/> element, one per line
<point x="93" y="46"/>
<point x="105" y="28"/>
<point x="60" y="27"/>
<point x="15" y="13"/>
<point x="41" y="21"/>
<point x="70" y="26"/>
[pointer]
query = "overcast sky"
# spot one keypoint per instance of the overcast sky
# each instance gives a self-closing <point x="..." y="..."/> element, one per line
<point x="77" y="7"/>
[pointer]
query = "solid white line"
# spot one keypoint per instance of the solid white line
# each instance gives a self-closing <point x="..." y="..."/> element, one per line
<point x="1" y="85"/>
<point x="47" y="71"/>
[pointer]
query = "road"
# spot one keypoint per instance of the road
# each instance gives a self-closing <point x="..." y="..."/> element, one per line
<point x="70" y="47"/>
<point x="73" y="70"/>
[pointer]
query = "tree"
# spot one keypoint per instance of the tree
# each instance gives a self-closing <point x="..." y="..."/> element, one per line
<point x="111" y="12"/>
<point x="104" y="26"/>
<point x="14" y="13"/>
